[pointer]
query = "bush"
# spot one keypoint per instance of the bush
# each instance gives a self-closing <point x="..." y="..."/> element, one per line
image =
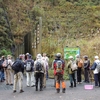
<point x="5" y="52"/>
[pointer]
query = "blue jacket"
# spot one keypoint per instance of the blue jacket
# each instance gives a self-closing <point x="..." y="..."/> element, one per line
<point x="93" y="66"/>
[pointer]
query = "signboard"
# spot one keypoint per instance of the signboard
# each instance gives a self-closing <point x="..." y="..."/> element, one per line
<point x="71" y="51"/>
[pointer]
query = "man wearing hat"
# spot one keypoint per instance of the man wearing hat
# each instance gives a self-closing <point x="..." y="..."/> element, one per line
<point x="58" y="66"/>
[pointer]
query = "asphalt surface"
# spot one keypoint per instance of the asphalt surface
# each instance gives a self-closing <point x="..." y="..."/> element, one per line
<point x="49" y="93"/>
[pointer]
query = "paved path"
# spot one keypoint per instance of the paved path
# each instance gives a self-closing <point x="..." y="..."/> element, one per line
<point x="78" y="93"/>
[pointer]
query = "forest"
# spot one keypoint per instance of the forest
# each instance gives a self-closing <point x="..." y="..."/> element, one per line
<point x="64" y="23"/>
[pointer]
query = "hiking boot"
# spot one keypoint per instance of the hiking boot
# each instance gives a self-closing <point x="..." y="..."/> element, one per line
<point x="21" y="91"/>
<point x="63" y="91"/>
<point x="32" y="85"/>
<point x="36" y="89"/>
<point x="41" y="89"/>
<point x="10" y="84"/>
<point x="14" y="91"/>
<point x="74" y="84"/>
<point x="58" y="90"/>
<point x="44" y="86"/>
<point x="71" y="86"/>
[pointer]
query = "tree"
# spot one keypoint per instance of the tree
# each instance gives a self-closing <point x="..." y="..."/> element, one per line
<point x="5" y="34"/>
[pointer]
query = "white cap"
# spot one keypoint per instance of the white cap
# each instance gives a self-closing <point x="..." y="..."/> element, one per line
<point x="77" y="56"/>
<point x="71" y="57"/>
<point x="96" y="57"/>
<point x="27" y="53"/>
<point x="39" y="56"/>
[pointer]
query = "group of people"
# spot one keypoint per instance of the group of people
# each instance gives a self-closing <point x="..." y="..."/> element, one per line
<point x="37" y="70"/>
<point x="12" y="71"/>
<point x="83" y="65"/>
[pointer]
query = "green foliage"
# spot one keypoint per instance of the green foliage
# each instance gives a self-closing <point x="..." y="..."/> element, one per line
<point x="36" y="12"/>
<point x="5" y="52"/>
<point x="51" y="73"/>
<point x="77" y="19"/>
<point x="5" y="40"/>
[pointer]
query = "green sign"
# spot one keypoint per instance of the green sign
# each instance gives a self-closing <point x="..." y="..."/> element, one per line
<point x="71" y="51"/>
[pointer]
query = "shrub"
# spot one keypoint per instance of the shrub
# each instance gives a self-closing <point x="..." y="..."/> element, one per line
<point x="5" y="52"/>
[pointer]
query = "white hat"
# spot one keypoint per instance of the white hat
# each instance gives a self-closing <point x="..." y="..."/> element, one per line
<point x="71" y="57"/>
<point x="77" y="56"/>
<point x="39" y="56"/>
<point x="96" y="57"/>
<point x="27" y="53"/>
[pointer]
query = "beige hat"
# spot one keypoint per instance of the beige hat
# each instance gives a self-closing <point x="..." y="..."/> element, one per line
<point x="8" y="56"/>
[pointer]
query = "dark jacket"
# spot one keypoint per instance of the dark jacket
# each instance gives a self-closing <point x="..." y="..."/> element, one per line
<point x="1" y="67"/>
<point x="86" y="64"/>
<point x="32" y="64"/>
<point x="20" y="66"/>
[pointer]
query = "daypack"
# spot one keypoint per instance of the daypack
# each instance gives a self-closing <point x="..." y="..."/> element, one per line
<point x="5" y="64"/>
<point x="39" y="66"/>
<point x="28" y="65"/>
<point x="80" y="64"/>
<point x="98" y="66"/>
<point x="16" y="66"/>
<point x="73" y="65"/>
<point x="59" y="66"/>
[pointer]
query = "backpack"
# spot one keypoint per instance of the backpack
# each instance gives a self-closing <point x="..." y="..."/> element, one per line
<point x="28" y="66"/>
<point x="98" y="66"/>
<point x="39" y="66"/>
<point x="16" y="65"/>
<point x="59" y="66"/>
<point x="80" y="64"/>
<point x="73" y="66"/>
<point x="5" y="64"/>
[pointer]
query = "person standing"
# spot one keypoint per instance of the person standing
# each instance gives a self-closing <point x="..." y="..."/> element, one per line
<point x="2" y="69"/>
<point x="86" y="65"/>
<point x="71" y="72"/>
<point x="47" y="64"/>
<point x="55" y="57"/>
<point x="58" y="66"/>
<point x="40" y="71"/>
<point x="95" y="71"/>
<point x="8" y="70"/>
<point x="29" y="67"/>
<point x="46" y="67"/>
<point x="79" y="63"/>
<point x="18" y="67"/>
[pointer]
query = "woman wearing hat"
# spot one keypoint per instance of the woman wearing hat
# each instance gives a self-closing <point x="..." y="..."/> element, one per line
<point x="71" y="72"/>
